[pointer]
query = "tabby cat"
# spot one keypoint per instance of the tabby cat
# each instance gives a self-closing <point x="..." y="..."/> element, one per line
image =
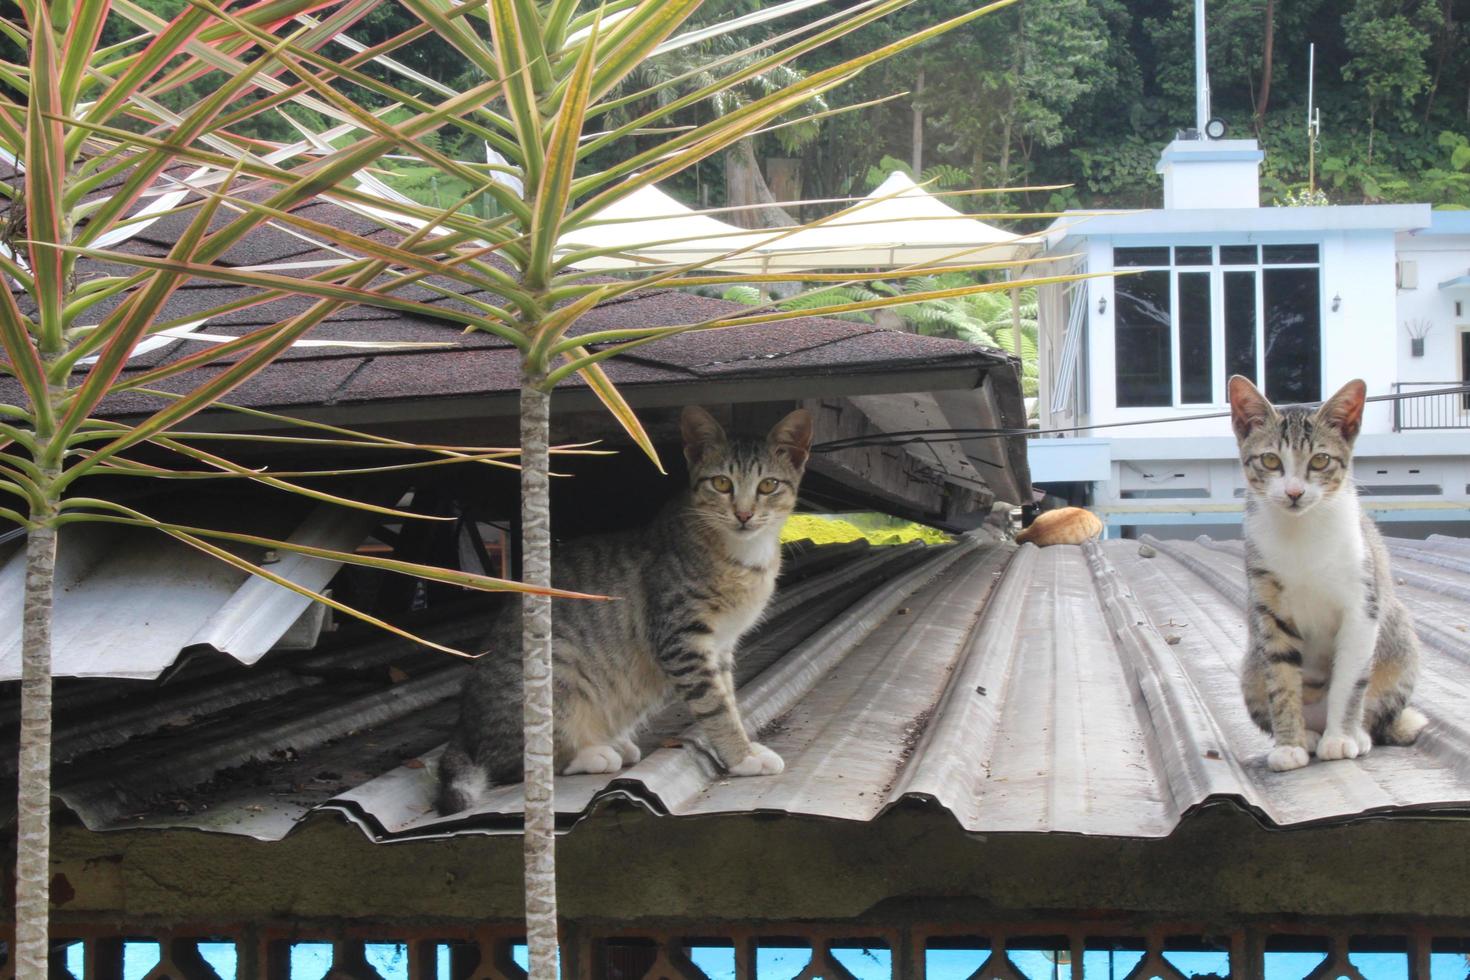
<point x="689" y="586"/>
<point x="1333" y="657"/>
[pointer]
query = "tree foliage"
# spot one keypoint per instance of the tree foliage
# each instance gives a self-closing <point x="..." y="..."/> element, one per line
<point x="1087" y="93"/>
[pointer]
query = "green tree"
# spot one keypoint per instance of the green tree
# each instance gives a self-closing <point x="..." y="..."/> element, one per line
<point x="1388" y="42"/>
<point x="82" y="179"/>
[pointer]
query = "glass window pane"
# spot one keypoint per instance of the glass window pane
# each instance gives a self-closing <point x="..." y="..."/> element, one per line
<point x="1380" y="965"/>
<point x="221" y="957"/>
<point x="1278" y="254"/>
<point x="139" y="957"/>
<point x="1143" y="344"/>
<point x="1193" y="255"/>
<point x="1449" y="966"/>
<point x="781" y="962"/>
<point x="1465" y="369"/>
<point x="714" y="961"/>
<point x="1240" y="324"/>
<point x="1132" y="257"/>
<point x="389" y="959"/>
<point x="310" y="961"/>
<point x="1292" y="963"/>
<point x="954" y="964"/>
<point x="1112" y="959"/>
<point x="1196" y="358"/>
<point x="76" y="958"/>
<point x="1293" y="335"/>
<point x="874" y="962"/>
<point x="1199" y="962"/>
<point x="1237" y="255"/>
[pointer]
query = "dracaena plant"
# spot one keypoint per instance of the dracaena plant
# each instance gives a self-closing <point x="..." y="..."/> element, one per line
<point x="567" y="102"/>
<point x="89" y="146"/>
<point x="546" y="90"/>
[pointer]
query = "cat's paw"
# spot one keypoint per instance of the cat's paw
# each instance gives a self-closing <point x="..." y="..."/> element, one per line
<point x="761" y="762"/>
<point x="1287" y="757"/>
<point x="1337" y="747"/>
<point x="1365" y="741"/>
<point x="630" y="752"/>
<point x="594" y="758"/>
<point x="1312" y="739"/>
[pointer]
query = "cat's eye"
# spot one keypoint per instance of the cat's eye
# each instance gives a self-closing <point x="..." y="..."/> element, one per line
<point x="768" y="485"/>
<point x="722" y="483"/>
<point x="1271" y="461"/>
<point x="1320" y="461"/>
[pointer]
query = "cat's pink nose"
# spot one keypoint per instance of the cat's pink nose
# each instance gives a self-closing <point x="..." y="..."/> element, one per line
<point x="1295" y="493"/>
<point x="744" y="515"/>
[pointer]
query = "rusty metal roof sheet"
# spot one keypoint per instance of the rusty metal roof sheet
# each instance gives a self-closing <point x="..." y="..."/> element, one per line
<point x="1086" y="690"/>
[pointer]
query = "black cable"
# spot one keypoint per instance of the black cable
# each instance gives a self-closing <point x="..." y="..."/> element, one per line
<point x="907" y="437"/>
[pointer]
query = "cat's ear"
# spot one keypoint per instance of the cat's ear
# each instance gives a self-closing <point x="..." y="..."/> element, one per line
<point x="701" y="433"/>
<point x="1249" y="409"/>
<point x="793" y="436"/>
<point x="1344" y="410"/>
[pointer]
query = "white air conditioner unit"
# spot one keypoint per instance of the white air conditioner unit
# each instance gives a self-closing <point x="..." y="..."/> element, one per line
<point x="1407" y="274"/>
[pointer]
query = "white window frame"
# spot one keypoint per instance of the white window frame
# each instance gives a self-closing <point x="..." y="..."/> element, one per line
<point x="1217" y="271"/>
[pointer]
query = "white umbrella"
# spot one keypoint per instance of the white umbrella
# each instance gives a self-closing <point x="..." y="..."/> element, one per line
<point x="899" y="224"/>
<point x="648" y="227"/>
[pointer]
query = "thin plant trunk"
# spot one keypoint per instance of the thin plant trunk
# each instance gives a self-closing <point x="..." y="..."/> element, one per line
<point x="1263" y="100"/>
<point x="33" y="818"/>
<point x="918" y="133"/>
<point x="1012" y="96"/>
<point x="1443" y="46"/>
<point x="1372" y="128"/>
<point x="540" y="807"/>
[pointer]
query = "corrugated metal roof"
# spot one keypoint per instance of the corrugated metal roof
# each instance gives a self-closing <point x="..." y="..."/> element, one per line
<point x="1086" y="690"/>
<point x="129" y="601"/>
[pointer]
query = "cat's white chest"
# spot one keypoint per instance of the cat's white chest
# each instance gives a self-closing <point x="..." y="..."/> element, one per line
<point x="758" y="557"/>
<point x="1319" y="561"/>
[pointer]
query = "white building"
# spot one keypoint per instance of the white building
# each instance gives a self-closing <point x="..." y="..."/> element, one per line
<point x="1299" y="299"/>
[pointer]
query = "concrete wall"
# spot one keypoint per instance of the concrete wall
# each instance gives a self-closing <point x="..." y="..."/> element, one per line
<point x="1436" y="259"/>
<point x="1211" y="174"/>
<point x="627" y="866"/>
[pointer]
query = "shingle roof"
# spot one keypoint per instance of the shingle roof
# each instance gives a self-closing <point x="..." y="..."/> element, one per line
<point x="479" y="364"/>
<point x="1086" y="690"/>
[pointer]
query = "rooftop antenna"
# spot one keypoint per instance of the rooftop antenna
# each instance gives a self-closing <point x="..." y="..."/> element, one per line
<point x="1201" y="73"/>
<point x="1314" y="121"/>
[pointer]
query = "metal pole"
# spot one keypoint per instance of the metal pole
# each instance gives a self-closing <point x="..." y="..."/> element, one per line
<point x="1015" y="318"/>
<point x="1201" y="73"/>
<point x="1311" y="127"/>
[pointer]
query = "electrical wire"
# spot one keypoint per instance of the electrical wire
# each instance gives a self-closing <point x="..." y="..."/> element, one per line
<point x="908" y="437"/>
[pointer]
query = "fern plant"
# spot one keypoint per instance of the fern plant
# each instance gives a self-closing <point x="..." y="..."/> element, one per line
<point x="983" y="319"/>
<point x="941" y="174"/>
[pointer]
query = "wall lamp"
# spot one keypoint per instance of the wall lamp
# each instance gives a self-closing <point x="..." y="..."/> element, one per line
<point x="1336" y="302"/>
<point x="1102" y="305"/>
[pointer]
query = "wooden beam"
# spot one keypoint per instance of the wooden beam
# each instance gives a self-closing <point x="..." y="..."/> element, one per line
<point x="888" y="474"/>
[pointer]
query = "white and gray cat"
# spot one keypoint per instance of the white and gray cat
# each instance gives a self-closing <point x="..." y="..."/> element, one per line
<point x="689" y="586"/>
<point x="1333" y="658"/>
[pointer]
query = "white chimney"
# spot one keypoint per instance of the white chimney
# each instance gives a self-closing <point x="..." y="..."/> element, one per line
<point x="1206" y="173"/>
